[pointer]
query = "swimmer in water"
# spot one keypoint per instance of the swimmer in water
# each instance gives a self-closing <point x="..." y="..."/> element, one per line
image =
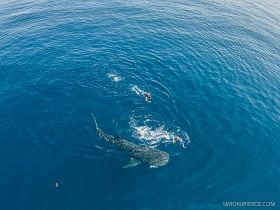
<point x="163" y="135"/>
<point x="140" y="92"/>
<point x="167" y="136"/>
<point x="147" y="96"/>
<point x="177" y="138"/>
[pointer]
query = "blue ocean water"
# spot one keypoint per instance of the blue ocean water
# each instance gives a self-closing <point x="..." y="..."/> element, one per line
<point x="212" y="68"/>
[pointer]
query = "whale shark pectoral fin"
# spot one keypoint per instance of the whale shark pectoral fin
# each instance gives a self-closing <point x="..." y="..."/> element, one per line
<point x="132" y="163"/>
<point x="151" y="166"/>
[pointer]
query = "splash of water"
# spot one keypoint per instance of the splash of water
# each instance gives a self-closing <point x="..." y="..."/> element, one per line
<point x="156" y="135"/>
<point x="114" y="77"/>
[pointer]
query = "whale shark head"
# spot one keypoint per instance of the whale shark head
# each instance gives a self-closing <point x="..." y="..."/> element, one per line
<point x="161" y="158"/>
<point x="150" y="156"/>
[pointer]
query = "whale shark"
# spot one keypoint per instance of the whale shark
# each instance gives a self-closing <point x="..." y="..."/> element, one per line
<point x="137" y="153"/>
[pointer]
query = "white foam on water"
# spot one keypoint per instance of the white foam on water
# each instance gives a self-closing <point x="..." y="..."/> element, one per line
<point x="114" y="77"/>
<point x="154" y="136"/>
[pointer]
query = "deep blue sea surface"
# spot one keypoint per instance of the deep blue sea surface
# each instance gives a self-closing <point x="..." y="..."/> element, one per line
<point x="211" y="67"/>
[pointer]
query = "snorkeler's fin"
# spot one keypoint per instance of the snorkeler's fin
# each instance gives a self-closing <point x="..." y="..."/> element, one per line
<point x="132" y="163"/>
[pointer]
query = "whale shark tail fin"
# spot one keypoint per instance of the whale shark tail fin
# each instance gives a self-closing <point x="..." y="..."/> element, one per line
<point x="96" y="125"/>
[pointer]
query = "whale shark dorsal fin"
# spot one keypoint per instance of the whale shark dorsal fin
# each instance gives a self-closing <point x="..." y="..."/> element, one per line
<point x="132" y="163"/>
